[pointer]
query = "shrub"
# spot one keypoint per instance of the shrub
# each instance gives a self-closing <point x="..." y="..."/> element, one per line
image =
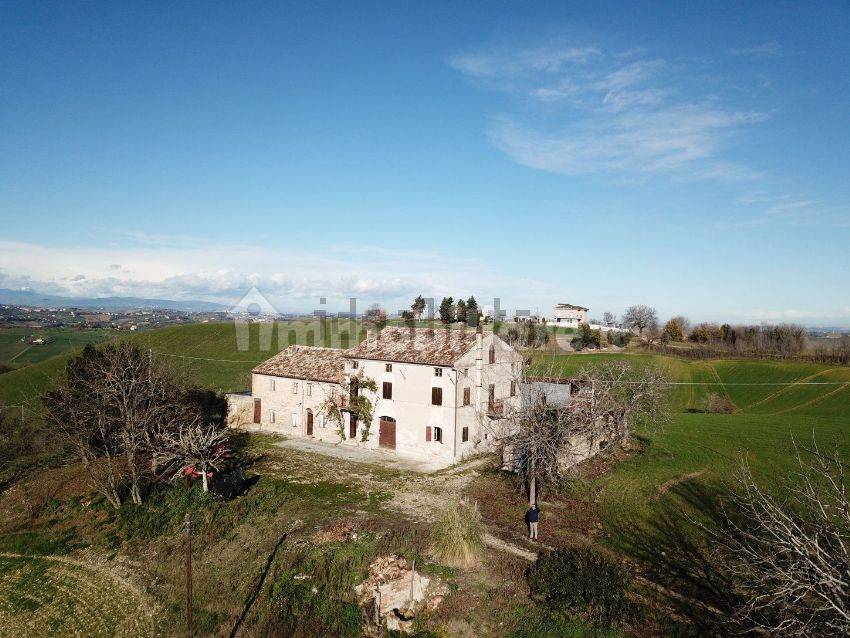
<point x="705" y="332"/>
<point x="619" y="338"/>
<point x="587" y="337"/>
<point x="719" y="404"/>
<point x="456" y="537"/>
<point x="674" y="330"/>
<point x="581" y="581"/>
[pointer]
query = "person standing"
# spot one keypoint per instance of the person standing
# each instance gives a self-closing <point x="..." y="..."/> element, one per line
<point x="532" y="516"/>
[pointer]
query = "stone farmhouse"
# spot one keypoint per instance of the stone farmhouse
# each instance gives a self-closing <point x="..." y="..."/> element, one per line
<point x="440" y="393"/>
<point x="569" y="315"/>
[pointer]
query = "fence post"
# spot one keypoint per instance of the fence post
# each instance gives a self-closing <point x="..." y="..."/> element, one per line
<point x="187" y="544"/>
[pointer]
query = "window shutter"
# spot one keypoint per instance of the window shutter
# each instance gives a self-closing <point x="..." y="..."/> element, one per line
<point x="436" y="396"/>
<point x="466" y="396"/>
<point x="427" y="432"/>
<point x="388" y="390"/>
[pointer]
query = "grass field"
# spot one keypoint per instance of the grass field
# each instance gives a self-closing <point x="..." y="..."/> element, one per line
<point x="772" y="404"/>
<point x="207" y="353"/>
<point x="16" y="351"/>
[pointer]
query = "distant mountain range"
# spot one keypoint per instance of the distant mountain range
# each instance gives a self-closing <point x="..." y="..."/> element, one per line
<point x="37" y="299"/>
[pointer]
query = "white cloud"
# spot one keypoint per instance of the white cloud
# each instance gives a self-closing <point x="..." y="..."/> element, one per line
<point x="292" y="279"/>
<point x="766" y="50"/>
<point x="579" y="110"/>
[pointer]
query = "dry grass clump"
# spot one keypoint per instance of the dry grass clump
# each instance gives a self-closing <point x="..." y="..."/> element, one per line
<point x="719" y="404"/>
<point x="457" y="537"/>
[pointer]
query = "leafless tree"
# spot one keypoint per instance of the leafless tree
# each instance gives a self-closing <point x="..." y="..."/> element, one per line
<point x="624" y="396"/>
<point x="89" y="433"/>
<point x="557" y="423"/>
<point x="609" y="319"/>
<point x="194" y="444"/>
<point x="640" y="317"/>
<point x="112" y="408"/>
<point x="790" y="555"/>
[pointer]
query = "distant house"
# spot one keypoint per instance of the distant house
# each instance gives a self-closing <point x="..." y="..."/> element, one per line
<point x="437" y="392"/>
<point x="569" y="315"/>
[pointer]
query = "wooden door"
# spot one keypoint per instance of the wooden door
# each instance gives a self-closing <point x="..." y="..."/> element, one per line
<point x="309" y="423"/>
<point x="386" y="433"/>
<point x="257" y="411"/>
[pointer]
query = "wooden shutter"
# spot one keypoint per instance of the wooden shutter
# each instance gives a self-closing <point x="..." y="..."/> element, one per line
<point x="436" y="396"/>
<point x="388" y="390"/>
<point x="466" y="396"/>
<point x="427" y="432"/>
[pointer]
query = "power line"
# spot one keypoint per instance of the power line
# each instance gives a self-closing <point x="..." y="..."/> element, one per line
<point x="183" y="356"/>
<point x="705" y="383"/>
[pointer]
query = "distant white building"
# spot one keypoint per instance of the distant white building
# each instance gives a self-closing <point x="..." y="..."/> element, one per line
<point x="569" y="315"/>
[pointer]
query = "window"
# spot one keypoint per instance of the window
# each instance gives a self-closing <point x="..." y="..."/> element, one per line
<point x="493" y="354"/>
<point x="388" y="390"/>
<point x="294" y="387"/>
<point x="438" y="434"/>
<point x="271" y="385"/>
<point x="354" y="365"/>
<point x="294" y="416"/>
<point x="466" y="394"/>
<point x="464" y="435"/>
<point x="322" y="421"/>
<point x="513" y="388"/>
<point x="436" y="396"/>
<point x="491" y="393"/>
<point x="309" y="389"/>
<point x="271" y="416"/>
<point x="427" y="433"/>
<point x="438" y="372"/>
<point x="388" y="367"/>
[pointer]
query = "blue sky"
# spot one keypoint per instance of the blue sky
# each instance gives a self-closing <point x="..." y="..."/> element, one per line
<point x="691" y="157"/>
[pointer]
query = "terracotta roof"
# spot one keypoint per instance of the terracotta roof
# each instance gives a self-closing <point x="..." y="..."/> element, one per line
<point x="440" y="347"/>
<point x="306" y="362"/>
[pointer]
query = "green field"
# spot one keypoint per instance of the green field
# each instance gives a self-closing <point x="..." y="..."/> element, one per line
<point x="696" y="447"/>
<point x="207" y="353"/>
<point x="16" y="351"/>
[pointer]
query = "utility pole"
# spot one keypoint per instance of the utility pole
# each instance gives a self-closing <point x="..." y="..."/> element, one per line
<point x="187" y="544"/>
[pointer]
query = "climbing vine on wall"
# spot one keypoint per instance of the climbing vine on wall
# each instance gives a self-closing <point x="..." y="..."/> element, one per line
<point x="360" y="407"/>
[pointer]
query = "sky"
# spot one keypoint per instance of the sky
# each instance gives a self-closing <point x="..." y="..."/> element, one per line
<point x="690" y="156"/>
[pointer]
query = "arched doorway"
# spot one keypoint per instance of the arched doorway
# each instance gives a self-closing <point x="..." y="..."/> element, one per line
<point x="386" y="433"/>
<point x="309" y="423"/>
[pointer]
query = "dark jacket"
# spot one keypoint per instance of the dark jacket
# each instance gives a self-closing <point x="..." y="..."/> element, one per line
<point x="532" y="515"/>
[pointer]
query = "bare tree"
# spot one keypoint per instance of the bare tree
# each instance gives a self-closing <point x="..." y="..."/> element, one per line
<point x="609" y="319"/>
<point x="78" y="421"/>
<point x="113" y="406"/>
<point x="375" y="317"/>
<point x="790" y="556"/>
<point x="557" y="422"/>
<point x="624" y="396"/>
<point x="640" y="317"/>
<point x="195" y="445"/>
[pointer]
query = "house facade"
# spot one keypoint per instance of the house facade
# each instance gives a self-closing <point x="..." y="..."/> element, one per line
<point x="440" y="394"/>
<point x="570" y="316"/>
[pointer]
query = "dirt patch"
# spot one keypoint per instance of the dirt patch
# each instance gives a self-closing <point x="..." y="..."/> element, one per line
<point x="336" y="532"/>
